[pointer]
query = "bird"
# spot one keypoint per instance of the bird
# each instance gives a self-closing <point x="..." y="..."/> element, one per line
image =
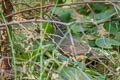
<point x="65" y="43"/>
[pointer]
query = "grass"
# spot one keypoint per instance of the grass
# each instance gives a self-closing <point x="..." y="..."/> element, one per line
<point x="35" y="57"/>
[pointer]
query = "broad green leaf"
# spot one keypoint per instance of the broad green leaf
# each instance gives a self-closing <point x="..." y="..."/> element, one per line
<point x="92" y="43"/>
<point x="77" y="28"/>
<point x="62" y="58"/>
<point x="63" y="13"/>
<point x="104" y="15"/>
<point x="111" y="28"/>
<point x="106" y="42"/>
<point x="77" y="36"/>
<point x="70" y="73"/>
<point x="117" y="36"/>
<point x="98" y="8"/>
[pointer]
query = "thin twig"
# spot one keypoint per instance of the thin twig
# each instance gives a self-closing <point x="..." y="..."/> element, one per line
<point x="59" y="5"/>
<point x="34" y="20"/>
<point x="63" y="23"/>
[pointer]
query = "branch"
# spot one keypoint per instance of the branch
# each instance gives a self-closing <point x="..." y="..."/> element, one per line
<point x="59" y="5"/>
<point x="63" y="23"/>
<point x="34" y="20"/>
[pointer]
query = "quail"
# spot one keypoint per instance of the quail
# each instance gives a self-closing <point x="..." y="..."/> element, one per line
<point x="65" y="43"/>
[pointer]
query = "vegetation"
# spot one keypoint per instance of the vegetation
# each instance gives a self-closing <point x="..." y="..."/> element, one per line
<point x="31" y="39"/>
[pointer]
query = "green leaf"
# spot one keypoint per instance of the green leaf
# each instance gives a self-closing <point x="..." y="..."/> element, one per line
<point x="76" y="36"/>
<point x="106" y="42"/>
<point x="99" y="7"/>
<point x="92" y="43"/>
<point x="76" y="28"/>
<point x="62" y="58"/>
<point x="60" y="1"/>
<point x="80" y="64"/>
<point x="63" y="13"/>
<point x="70" y="73"/>
<point x="111" y="28"/>
<point x="95" y="74"/>
<point x="117" y="36"/>
<point x="104" y="15"/>
<point x="48" y="28"/>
